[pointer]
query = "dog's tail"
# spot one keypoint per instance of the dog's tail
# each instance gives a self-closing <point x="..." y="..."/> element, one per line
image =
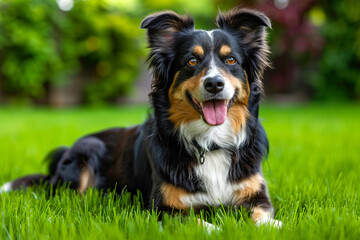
<point x="53" y="158"/>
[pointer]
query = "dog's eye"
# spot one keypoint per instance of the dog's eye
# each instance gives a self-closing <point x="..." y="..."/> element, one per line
<point x="192" y="61"/>
<point x="230" y="60"/>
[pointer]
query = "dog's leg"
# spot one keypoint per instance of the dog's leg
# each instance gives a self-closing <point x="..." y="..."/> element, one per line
<point x="253" y="195"/>
<point x="169" y="199"/>
<point x="264" y="216"/>
<point x="262" y="210"/>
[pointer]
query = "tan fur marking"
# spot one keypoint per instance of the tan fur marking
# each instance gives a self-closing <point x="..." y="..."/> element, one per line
<point x="238" y="112"/>
<point x="259" y="213"/>
<point x="247" y="86"/>
<point x="225" y="50"/>
<point x="243" y="88"/>
<point x="244" y="28"/>
<point x="198" y="50"/>
<point x="252" y="186"/>
<point x="172" y="195"/>
<point x="172" y="85"/>
<point x="86" y="179"/>
<point x="180" y="109"/>
<point x="237" y="115"/>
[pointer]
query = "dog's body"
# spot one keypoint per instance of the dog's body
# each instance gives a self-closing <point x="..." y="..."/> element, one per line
<point x="204" y="144"/>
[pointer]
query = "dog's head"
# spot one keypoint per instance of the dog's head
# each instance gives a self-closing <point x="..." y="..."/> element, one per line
<point x="206" y="74"/>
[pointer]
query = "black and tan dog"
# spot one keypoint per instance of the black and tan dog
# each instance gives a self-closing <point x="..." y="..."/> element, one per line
<point x="204" y="144"/>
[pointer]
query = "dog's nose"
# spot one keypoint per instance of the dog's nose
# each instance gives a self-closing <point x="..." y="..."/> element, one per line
<point x="214" y="84"/>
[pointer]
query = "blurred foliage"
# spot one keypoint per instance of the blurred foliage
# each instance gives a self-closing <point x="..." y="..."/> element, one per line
<point x="315" y="47"/>
<point x="99" y="44"/>
<point x="97" y="41"/>
<point x="338" y="74"/>
<point x="41" y="44"/>
<point x="295" y="45"/>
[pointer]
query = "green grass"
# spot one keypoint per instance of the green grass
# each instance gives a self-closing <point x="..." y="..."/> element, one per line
<point x="312" y="173"/>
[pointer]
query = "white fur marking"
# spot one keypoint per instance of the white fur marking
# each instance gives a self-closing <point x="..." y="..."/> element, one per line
<point x="213" y="71"/>
<point x="210" y="33"/>
<point x="208" y="226"/>
<point x="214" y="174"/>
<point x="6" y="188"/>
<point x="205" y="135"/>
<point x="215" y="170"/>
<point x="269" y="221"/>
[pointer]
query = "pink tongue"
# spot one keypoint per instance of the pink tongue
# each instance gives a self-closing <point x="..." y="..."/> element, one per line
<point x="214" y="112"/>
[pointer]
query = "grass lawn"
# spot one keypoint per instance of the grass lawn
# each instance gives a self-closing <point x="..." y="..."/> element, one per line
<point x="312" y="173"/>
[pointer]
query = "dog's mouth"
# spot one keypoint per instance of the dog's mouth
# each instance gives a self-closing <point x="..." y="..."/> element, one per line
<point x="213" y="111"/>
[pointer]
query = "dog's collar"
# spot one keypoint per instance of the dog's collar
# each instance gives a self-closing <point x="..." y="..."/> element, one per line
<point x="201" y="150"/>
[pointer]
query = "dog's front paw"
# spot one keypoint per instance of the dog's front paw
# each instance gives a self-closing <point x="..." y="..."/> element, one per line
<point x="208" y="226"/>
<point x="269" y="222"/>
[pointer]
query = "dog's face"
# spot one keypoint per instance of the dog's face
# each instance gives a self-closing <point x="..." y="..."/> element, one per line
<point x="205" y="73"/>
<point x="209" y="77"/>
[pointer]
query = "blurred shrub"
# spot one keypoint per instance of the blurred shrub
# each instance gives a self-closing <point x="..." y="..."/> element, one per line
<point x="315" y="47"/>
<point x="295" y="45"/>
<point x="338" y="74"/>
<point x="40" y="45"/>
<point x="95" y="42"/>
<point x="99" y="44"/>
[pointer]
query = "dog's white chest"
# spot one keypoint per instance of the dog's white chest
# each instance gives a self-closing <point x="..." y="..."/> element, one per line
<point x="214" y="175"/>
<point x="215" y="170"/>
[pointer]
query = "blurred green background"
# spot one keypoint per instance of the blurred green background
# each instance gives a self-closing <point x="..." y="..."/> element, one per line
<point x="57" y="53"/>
<point x="72" y="52"/>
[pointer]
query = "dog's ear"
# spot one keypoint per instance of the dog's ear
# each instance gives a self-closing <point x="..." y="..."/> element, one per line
<point x="162" y="26"/>
<point x="249" y="26"/>
<point x="243" y="19"/>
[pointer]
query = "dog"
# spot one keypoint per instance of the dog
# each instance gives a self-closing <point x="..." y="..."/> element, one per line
<point x="204" y="144"/>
